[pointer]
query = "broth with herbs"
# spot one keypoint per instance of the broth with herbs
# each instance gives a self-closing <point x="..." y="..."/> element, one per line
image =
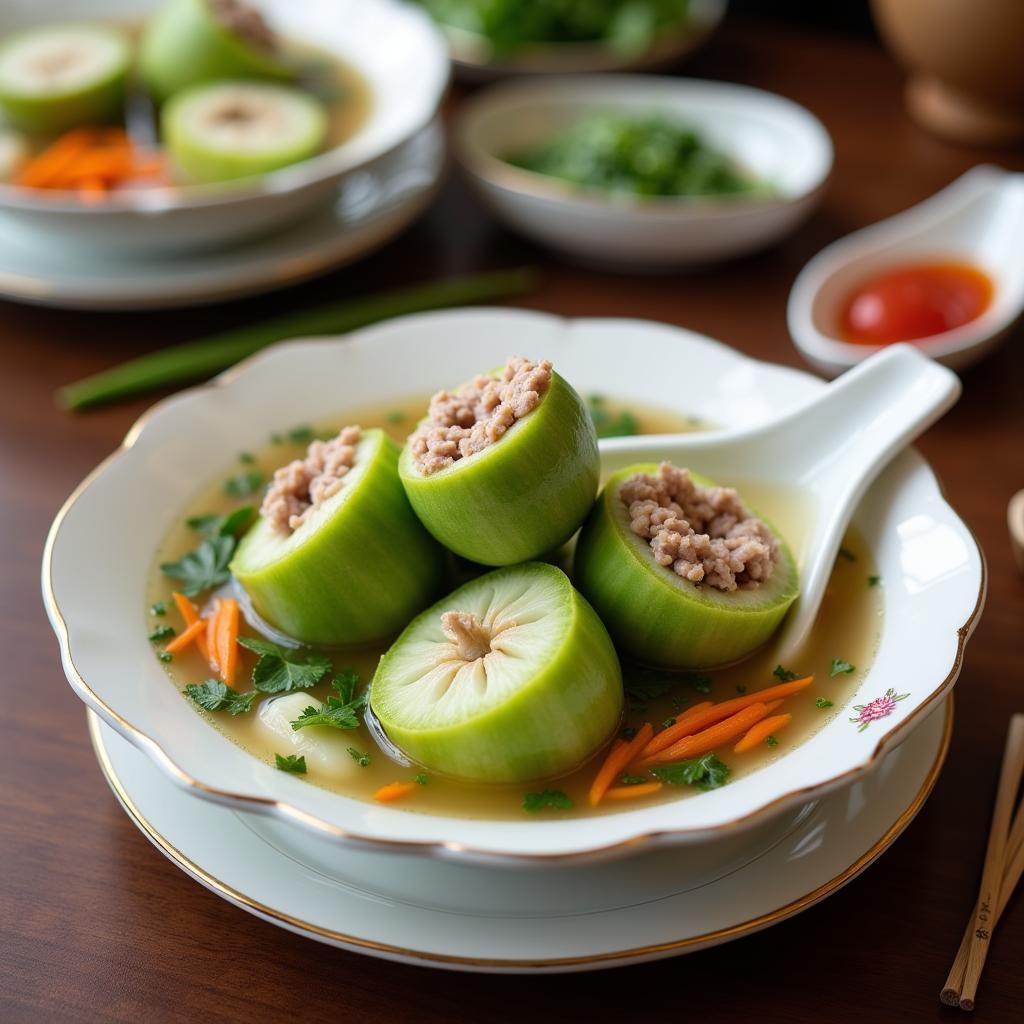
<point x="840" y="651"/>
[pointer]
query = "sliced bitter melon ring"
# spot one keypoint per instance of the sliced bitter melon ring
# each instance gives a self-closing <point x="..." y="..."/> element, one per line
<point x="57" y="77"/>
<point x="356" y="570"/>
<point x="655" y="616"/>
<point x="241" y="129"/>
<point x="510" y="678"/>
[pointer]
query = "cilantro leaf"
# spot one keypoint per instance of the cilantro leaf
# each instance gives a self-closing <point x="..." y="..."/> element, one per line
<point x="649" y="684"/>
<point x="699" y="681"/>
<point x="341" y="712"/>
<point x="607" y="425"/>
<point x="421" y="779"/>
<point x="553" y="798"/>
<point x="361" y="759"/>
<point x="300" y="435"/>
<point x="213" y="695"/>
<point x="281" y="671"/>
<point x="706" y="772"/>
<point x="840" y="667"/>
<point x="784" y="674"/>
<point x="212" y="526"/>
<point x="246" y="458"/>
<point x="771" y="741"/>
<point x="847" y="554"/>
<point x="158" y="608"/>
<point x="161" y="633"/>
<point x="204" y="568"/>
<point x="873" y="581"/>
<point x="242" y="485"/>
<point x="822" y="702"/>
<point x="291" y="763"/>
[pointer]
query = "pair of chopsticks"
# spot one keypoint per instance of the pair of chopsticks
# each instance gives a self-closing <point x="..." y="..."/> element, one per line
<point x="1004" y="864"/>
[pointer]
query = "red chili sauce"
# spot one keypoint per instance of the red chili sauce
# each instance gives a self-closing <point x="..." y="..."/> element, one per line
<point x="915" y="300"/>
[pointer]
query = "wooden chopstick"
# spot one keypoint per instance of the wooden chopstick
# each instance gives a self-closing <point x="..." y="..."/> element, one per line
<point x="1004" y="864"/>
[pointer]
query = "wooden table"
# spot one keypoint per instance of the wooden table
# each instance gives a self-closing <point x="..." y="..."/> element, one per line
<point x="97" y="926"/>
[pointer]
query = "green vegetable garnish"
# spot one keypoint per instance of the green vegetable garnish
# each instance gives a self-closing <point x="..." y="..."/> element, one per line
<point x="281" y="671"/>
<point x="291" y="763"/>
<point x="706" y="772"/>
<point x="246" y="458"/>
<point x="161" y="633"/>
<point x="196" y="360"/>
<point x="204" y="568"/>
<point x="421" y="779"/>
<point x="638" y="155"/>
<point x="784" y="674"/>
<point x="299" y="435"/>
<point x="361" y="759"/>
<point x="165" y="657"/>
<point x="242" y="485"/>
<point x="211" y="526"/>
<point x="668" y="722"/>
<point x="553" y="798"/>
<point x="771" y="741"/>
<point x="873" y="581"/>
<point x="700" y="682"/>
<point x="633" y="780"/>
<point x="607" y="425"/>
<point x="628" y="26"/>
<point x="341" y="712"/>
<point x="840" y="667"/>
<point x="822" y="702"/>
<point x="213" y="695"/>
<point x="396" y="416"/>
<point x="847" y="554"/>
<point x="158" y="608"/>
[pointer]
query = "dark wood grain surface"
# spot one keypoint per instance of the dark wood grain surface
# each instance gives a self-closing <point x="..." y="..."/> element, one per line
<point x="95" y="925"/>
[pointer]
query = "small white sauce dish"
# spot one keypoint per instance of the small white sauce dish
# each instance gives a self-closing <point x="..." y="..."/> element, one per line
<point x="475" y="61"/>
<point x="774" y="139"/>
<point x="932" y="571"/>
<point x="978" y="219"/>
<point x="407" y="79"/>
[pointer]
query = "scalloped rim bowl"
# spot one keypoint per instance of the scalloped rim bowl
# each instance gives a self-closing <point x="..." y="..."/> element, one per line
<point x="110" y="527"/>
<point x="407" y="79"/>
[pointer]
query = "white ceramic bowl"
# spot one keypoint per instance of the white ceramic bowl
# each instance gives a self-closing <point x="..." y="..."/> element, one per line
<point x="110" y="527"/>
<point x="407" y="79"/>
<point x="475" y="62"/>
<point x="773" y="138"/>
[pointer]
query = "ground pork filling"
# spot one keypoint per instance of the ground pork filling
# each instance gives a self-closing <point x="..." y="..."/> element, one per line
<point x="463" y="422"/>
<point x="704" y="534"/>
<point x="305" y="484"/>
<point x="245" y="21"/>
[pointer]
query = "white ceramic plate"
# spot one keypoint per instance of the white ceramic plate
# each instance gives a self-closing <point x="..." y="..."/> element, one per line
<point x="407" y="80"/>
<point x="471" y="54"/>
<point x="110" y="528"/>
<point x="371" y="207"/>
<point x="570" y="919"/>
<point x="776" y="140"/>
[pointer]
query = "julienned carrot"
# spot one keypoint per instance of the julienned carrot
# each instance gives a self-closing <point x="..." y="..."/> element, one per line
<point x="618" y="757"/>
<point x="756" y="733"/>
<point x="227" y="639"/>
<point x="43" y="169"/>
<point x="689" y="724"/>
<point x="632" y="792"/>
<point x="187" y="636"/>
<point x="190" y="613"/>
<point x="211" y="638"/>
<point x="716" y="736"/>
<point x="394" y="791"/>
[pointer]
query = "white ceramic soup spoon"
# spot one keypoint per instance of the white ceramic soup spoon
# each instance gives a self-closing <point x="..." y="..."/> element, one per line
<point x="978" y="219"/>
<point x="825" y="453"/>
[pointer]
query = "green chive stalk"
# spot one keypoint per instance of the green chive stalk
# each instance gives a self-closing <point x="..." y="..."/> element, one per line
<point x="197" y="360"/>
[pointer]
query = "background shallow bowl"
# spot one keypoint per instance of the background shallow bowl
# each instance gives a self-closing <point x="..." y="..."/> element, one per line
<point x="473" y="61"/>
<point x="772" y="137"/>
<point x="407" y="79"/>
<point x="110" y="528"/>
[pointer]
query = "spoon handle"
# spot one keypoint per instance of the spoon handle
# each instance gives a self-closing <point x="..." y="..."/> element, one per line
<point x="844" y="439"/>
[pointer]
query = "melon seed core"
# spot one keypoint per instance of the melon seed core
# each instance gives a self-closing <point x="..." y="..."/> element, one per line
<point x="472" y="639"/>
